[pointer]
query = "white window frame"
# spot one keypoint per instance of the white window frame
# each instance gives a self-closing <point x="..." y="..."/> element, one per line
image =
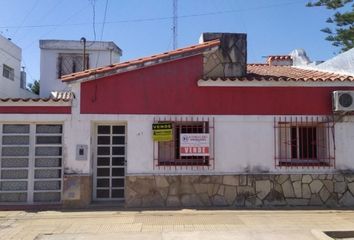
<point x="10" y="70"/>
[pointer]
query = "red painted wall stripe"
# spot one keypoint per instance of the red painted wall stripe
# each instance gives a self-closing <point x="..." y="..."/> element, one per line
<point x="171" y="88"/>
<point x="35" y="109"/>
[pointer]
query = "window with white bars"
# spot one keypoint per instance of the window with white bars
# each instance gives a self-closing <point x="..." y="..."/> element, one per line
<point x="30" y="163"/>
<point x="167" y="154"/>
<point x="304" y="142"/>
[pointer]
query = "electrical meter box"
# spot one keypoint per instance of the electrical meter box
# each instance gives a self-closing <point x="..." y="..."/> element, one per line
<point x="81" y="152"/>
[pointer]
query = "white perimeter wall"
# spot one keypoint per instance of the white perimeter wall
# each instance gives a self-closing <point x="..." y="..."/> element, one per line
<point x="243" y="144"/>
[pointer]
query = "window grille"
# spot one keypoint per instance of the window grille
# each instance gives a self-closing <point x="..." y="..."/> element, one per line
<point x="304" y="142"/>
<point x="8" y="72"/>
<point x="167" y="154"/>
<point x="71" y="63"/>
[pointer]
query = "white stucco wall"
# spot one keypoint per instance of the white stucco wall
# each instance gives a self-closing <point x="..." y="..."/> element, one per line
<point x="243" y="144"/>
<point x="10" y="54"/>
<point x="100" y="55"/>
<point x="344" y="136"/>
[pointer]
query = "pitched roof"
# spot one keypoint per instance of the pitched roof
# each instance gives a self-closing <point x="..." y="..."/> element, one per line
<point x="265" y="72"/>
<point x="255" y="72"/>
<point x="143" y="62"/>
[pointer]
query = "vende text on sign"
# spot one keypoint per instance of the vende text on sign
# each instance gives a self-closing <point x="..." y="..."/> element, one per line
<point x="162" y="132"/>
<point x="194" y="144"/>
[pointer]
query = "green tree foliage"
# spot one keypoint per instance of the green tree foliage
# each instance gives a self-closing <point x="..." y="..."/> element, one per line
<point x="342" y="33"/>
<point x="35" y="87"/>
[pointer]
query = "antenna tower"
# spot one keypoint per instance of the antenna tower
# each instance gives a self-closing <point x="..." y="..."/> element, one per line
<point x="174" y="28"/>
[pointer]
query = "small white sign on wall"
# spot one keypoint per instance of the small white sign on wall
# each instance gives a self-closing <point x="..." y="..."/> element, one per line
<point x="194" y="144"/>
<point x="81" y="152"/>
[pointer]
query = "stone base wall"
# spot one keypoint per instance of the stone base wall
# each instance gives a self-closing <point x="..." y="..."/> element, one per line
<point x="264" y="190"/>
<point x="77" y="191"/>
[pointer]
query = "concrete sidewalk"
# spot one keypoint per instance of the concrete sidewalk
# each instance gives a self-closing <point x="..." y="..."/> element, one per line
<point x="168" y="225"/>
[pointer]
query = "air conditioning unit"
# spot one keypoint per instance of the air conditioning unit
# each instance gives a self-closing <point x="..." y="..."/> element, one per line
<point x="343" y="101"/>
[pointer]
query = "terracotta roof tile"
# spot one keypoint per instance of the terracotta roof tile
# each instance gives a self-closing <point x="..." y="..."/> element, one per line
<point x="64" y="96"/>
<point x="182" y="52"/>
<point x="262" y="72"/>
<point x="278" y="57"/>
<point x="31" y="100"/>
<point x="58" y="97"/>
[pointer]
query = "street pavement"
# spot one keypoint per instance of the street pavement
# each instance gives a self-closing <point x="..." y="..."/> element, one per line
<point x="172" y="225"/>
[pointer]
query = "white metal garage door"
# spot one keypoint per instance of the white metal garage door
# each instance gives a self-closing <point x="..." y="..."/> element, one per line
<point x="30" y="163"/>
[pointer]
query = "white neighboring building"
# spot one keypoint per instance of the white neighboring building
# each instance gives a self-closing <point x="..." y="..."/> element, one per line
<point x="12" y="79"/>
<point x="61" y="57"/>
<point x="342" y="63"/>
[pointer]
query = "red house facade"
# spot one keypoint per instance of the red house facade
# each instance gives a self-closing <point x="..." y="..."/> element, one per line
<point x="197" y="126"/>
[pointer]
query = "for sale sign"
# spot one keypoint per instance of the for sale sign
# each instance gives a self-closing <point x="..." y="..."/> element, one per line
<point x="162" y="132"/>
<point x="194" y="144"/>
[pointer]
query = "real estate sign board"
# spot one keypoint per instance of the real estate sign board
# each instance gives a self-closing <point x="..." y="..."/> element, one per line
<point x="162" y="132"/>
<point x="194" y="144"/>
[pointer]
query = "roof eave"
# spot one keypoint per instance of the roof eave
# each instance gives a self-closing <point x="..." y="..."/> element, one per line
<point x="97" y="75"/>
<point x="142" y="62"/>
<point x="35" y="102"/>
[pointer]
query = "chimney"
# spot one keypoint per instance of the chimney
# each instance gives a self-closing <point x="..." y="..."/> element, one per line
<point x="230" y="60"/>
<point x="23" y="80"/>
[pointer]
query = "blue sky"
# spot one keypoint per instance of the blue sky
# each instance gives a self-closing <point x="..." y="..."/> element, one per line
<point x="143" y="27"/>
